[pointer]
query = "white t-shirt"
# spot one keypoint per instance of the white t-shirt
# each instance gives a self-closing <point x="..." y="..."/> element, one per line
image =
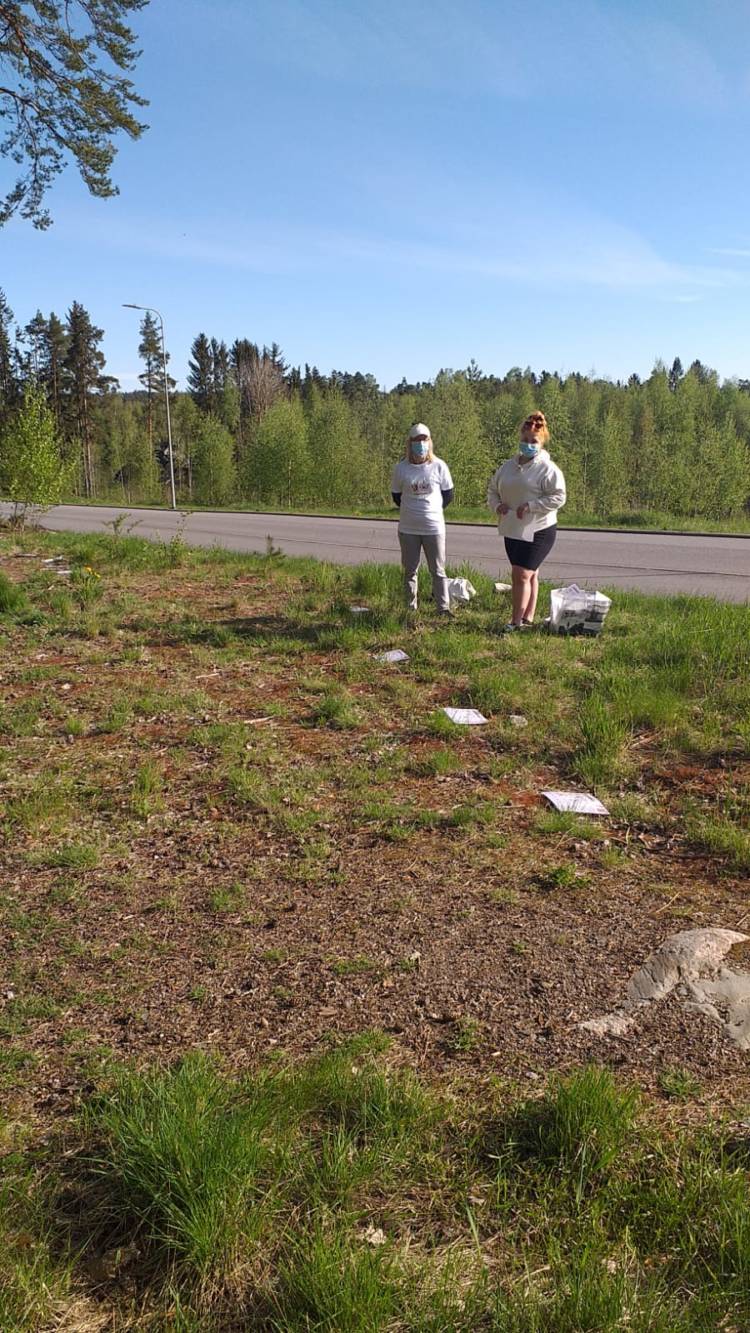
<point x="419" y="485"/>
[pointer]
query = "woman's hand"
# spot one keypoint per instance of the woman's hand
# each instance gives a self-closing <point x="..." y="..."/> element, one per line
<point x="502" y="509"/>
<point x="522" y="510"/>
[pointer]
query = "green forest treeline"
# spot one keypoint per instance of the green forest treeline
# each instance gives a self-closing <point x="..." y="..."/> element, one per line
<point x="252" y="430"/>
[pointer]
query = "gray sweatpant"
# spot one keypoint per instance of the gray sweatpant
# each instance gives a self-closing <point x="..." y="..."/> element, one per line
<point x="412" y="546"/>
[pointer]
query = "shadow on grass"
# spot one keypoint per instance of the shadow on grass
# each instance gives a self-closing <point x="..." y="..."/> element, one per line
<point x="259" y="629"/>
<point x="276" y="631"/>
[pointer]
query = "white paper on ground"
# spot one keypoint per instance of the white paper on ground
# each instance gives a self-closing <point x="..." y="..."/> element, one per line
<point x="582" y="803"/>
<point x="460" y="591"/>
<point x="393" y="655"/>
<point x="465" y="717"/>
<point x="359" y="610"/>
<point x="503" y="587"/>
<point x="520" y="529"/>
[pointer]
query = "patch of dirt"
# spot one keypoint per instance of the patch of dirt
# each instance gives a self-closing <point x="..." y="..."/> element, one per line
<point x="209" y="924"/>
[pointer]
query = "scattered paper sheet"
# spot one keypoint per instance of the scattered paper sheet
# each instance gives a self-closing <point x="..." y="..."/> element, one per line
<point x="359" y="610"/>
<point x="503" y="587"/>
<point x="393" y="655"/>
<point x="582" y="803"/>
<point x="465" y="717"/>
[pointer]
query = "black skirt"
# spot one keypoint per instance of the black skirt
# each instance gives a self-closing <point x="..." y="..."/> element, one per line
<point x="529" y="555"/>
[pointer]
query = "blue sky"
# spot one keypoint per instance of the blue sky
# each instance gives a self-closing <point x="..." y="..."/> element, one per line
<point x="400" y="185"/>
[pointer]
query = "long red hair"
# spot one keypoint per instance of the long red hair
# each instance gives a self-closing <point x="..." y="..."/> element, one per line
<point x="535" y="428"/>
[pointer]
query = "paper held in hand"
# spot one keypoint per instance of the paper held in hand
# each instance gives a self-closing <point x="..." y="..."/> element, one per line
<point x="520" y="529"/>
<point x="581" y="803"/>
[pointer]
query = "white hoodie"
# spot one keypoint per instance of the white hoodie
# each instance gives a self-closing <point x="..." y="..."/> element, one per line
<point x="539" y="483"/>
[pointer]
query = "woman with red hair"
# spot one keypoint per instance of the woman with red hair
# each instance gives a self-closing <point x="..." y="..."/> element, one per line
<point x="526" y="493"/>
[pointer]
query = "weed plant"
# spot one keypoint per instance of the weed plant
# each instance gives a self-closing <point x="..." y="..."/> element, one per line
<point x="342" y="1194"/>
<point x="13" y="599"/>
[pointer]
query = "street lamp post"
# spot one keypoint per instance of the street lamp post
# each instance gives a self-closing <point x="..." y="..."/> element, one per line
<point x="127" y="305"/>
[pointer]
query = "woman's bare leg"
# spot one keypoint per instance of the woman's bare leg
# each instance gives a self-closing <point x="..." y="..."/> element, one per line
<point x="533" y="593"/>
<point x="520" y="583"/>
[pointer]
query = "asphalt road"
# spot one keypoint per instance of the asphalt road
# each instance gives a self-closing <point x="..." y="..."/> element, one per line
<point x="652" y="562"/>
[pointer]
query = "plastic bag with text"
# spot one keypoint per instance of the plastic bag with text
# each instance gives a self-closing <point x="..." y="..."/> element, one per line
<point x="573" y="610"/>
<point x="460" y="591"/>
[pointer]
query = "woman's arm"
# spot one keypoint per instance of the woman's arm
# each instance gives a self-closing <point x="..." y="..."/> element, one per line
<point x="553" y="494"/>
<point x="396" y="498"/>
<point x="447" y="496"/>
<point x="494" y="498"/>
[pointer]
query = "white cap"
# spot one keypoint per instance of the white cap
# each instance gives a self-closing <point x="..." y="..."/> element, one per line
<point x="419" y="428"/>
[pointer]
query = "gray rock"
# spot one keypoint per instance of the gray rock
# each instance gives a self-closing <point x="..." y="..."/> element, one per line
<point x="691" y="964"/>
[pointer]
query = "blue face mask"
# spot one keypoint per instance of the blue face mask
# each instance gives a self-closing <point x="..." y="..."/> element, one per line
<point x="528" y="449"/>
<point x="420" y="448"/>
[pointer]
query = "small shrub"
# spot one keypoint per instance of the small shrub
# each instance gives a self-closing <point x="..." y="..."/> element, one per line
<point x="13" y="600"/>
<point x="147" y="789"/>
<point x="86" y="585"/>
<point x="116" y="719"/>
<point x="578" y="1128"/>
<point x="439" y="724"/>
<point x="679" y="1084"/>
<point x="562" y="877"/>
<point x="228" y="899"/>
<point x="352" y="967"/>
<point x="438" y="763"/>
<point x="467" y="1035"/>
<point x="179" y="1161"/>
<point x="73" y="856"/>
<point x="603" y="735"/>
<point x="335" y="710"/>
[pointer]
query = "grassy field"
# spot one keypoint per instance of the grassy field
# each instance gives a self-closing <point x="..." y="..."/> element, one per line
<point x="293" y="969"/>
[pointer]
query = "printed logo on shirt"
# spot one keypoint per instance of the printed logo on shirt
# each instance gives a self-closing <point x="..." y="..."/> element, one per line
<point x="421" y="487"/>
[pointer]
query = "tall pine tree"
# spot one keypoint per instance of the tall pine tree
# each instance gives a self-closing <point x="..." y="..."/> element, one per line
<point x="152" y="376"/>
<point x="7" y="361"/>
<point x="83" y="368"/>
<point x="201" y="373"/>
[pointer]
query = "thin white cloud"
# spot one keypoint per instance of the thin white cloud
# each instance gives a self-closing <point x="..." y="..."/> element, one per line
<point x="466" y="225"/>
<point x="568" y="248"/>
<point x="624" y="263"/>
<point x="209" y="245"/>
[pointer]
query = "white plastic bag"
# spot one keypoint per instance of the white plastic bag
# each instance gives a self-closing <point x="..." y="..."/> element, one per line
<point x="460" y="591"/>
<point x="575" y="611"/>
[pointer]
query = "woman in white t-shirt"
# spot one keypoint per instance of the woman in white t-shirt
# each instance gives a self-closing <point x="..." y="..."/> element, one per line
<point x="422" y="487"/>
<point x="526" y="493"/>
